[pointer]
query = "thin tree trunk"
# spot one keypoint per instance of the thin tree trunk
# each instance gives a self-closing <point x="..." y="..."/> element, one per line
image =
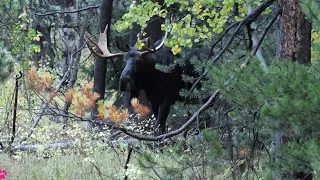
<point x="69" y="41"/>
<point x="76" y="64"/>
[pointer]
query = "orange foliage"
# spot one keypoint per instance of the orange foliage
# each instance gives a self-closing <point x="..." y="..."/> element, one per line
<point x="32" y="77"/>
<point x="91" y="97"/>
<point x="38" y="84"/>
<point x="244" y="152"/>
<point x="117" y="116"/>
<point x="83" y="99"/>
<point x="32" y="74"/>
<point x="79" y="105"/>
<point x="46" y="80"/>
<point x="69" y="95"/>
<point x="91" y="100"/>
<point x="86" y="90"/>
<point x="142" y="110"/>
<point x="102" y="112"/>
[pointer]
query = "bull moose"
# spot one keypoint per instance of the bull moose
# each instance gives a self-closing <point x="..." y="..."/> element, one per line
<point x="162" y="89"/>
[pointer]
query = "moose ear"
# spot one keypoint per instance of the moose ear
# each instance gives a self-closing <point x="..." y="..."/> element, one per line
<point x="122" y="45"/>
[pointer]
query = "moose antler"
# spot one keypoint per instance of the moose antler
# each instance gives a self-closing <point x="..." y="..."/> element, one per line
<point x="102" y="45"/>
<point x="156" y="48"/>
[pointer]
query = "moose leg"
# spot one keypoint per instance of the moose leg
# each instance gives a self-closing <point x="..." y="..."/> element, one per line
<point x="155" y="109"/>
<point x="164" y="110"/>
<point x="127" y="99"/>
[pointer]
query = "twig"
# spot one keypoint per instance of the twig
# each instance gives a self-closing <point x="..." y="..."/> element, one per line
<point x="153" y="169"/>
<point x="68" y="12"/>
<point x="255" y="50"/>
<point x="98" y="169"/>
<point x="127" y="161"/>
<point x="221" y="37"/>
<point x="139" y="137"/>
<point x="29" y="147"/>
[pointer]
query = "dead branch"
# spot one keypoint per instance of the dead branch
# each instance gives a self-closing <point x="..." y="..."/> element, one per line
<point x="69" y="12"/>
<point x="265" y="32"/>
<point x="178" y="131"/>
<point x="127" y="161"/>
<point x="71" y="144"/>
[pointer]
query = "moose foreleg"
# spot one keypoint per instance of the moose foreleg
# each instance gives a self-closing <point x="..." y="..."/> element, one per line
<point x="163" y="113"/>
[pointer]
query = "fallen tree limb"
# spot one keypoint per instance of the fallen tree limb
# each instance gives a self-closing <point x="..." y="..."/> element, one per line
<point x="178" y="131"/>
<point x="69" y="144"/>
<point x="31" y="147"/>
<point x="124" y="130"/>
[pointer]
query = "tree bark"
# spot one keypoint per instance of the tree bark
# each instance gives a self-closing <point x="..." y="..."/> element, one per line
<point x="153" y="29"/>
<point x="76" y="63"/>
<point x="46" y="55"/>
<point x="69" y="42"/>
<point x="294" y="36"/>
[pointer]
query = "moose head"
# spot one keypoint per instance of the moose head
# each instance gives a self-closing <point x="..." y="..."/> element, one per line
<point x="135" y="60"/>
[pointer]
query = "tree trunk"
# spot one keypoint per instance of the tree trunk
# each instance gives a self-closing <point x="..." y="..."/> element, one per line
<point x="69" y="41"/>
<point x="153" y="29"/>
<point x="294" y="44"/>
<point x="294" y="38"/>
<point x="76" y="63"/>
<point x="100" y="65"/>
<point x="46" y="55"/>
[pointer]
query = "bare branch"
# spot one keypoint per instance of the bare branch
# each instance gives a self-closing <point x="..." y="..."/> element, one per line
<point x="221" y="37"/>
<point x="68" y="12"/>
<point x="265" y="33"/>
<point x="256" y="48"/>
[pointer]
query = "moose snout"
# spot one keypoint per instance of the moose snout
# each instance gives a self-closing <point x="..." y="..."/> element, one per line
<point x="126" y="84"/>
